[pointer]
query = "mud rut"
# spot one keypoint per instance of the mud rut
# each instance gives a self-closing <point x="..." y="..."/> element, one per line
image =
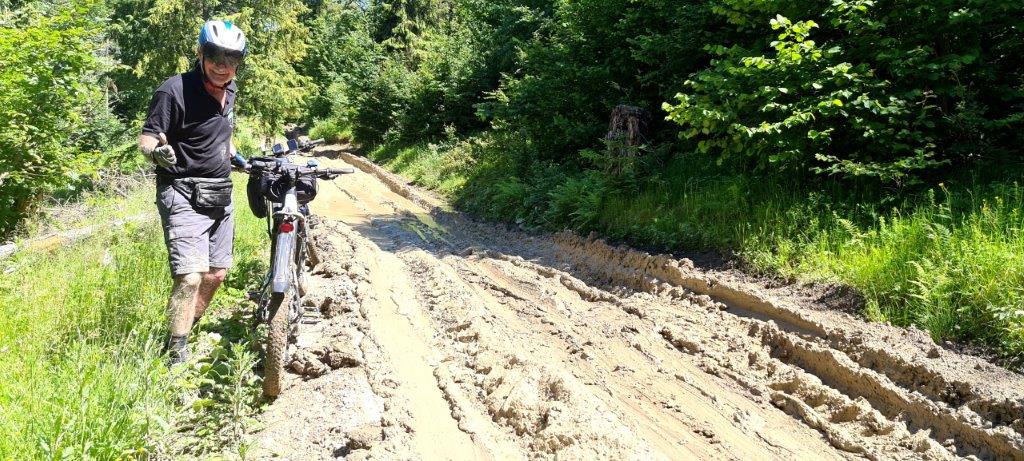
<point x="435" y="337"/>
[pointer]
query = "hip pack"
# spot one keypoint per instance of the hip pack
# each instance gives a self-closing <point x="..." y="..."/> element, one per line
<point x="205" y="192"/>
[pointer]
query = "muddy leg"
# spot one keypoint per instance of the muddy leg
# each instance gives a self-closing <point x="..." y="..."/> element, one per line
<point x="211" y="281"/>
<point x="180" y="311"/>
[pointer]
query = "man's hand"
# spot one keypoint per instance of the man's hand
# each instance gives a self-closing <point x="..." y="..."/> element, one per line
<point x="163" y="154"/>
<point x="156" y="150"/>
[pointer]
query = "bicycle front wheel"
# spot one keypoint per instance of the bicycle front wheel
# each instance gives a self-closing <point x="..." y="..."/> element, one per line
<point x="277" y="343"/>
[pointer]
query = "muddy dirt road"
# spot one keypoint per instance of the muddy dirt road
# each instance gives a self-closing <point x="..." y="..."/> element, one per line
<point x="433" y="337"/>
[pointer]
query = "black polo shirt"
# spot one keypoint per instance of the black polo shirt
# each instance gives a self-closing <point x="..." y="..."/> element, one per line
<point x="196" y="126"/>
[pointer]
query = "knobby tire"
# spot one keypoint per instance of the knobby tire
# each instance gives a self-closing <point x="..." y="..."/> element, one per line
<point x="303" y="255"/>
<point x="277" y="343"/>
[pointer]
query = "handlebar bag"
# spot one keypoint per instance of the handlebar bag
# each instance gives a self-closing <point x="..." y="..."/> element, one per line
<point x="275" y="186"/>
<point x="254" y="192"/>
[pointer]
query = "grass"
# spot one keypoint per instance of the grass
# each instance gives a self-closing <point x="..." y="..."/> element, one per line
<point x="331" y="130"/>
<point x="427" y="164"/>
<point x="949" y="260"/>
<point x="953" y="264"/>
<point x="465" y="170"/>
<point x="81" y="332"/>
<point x="114" y="199"/>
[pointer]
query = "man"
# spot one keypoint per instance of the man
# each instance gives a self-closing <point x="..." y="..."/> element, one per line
<point x="187" y="136"/>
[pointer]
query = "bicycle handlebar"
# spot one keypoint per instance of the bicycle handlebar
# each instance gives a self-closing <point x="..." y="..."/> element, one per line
<point x="337" y="171"/>
<point x="300" y="170"/>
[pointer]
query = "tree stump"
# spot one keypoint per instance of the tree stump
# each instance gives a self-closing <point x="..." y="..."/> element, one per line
<point x="627" y="130"/>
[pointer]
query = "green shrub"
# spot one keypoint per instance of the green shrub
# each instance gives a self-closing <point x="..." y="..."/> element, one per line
<point x="331" y="130"/>
<point x="588" y="57"/>
<point x="382" y="97"/>
<point x="860" y="88"/>
<point x="576" y="203"/>
<point x="54" y="119"/>
<point x="245" y="138"/>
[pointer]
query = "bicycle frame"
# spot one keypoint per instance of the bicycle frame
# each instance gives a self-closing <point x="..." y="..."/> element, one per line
<point x="285" y="242"/>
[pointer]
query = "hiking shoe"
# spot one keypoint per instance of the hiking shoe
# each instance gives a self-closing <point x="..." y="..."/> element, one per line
<point x="177" y="349"/>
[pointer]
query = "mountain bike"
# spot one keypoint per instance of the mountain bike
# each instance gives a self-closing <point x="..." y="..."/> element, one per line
<point x="280" y="191"/>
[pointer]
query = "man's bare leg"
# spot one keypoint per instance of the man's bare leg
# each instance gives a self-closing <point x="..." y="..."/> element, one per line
<point x="211" y="281"/>
<point x="180" y="311"/>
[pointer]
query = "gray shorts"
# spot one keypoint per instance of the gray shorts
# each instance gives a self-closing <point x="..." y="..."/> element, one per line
<point x="196" y="239"/>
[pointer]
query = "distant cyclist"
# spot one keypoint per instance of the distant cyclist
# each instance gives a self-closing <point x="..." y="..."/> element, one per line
<point x="187" y="136"/>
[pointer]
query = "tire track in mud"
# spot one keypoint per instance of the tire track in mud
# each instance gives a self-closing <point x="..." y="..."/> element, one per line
<point x="481" y="342"/>
<point x="619" y="360"/>
<point x="388" y="304"/>
<point x="901" y="374"/>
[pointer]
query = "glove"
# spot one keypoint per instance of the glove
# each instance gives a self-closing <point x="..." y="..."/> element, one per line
<point x="163" y="154"/>
<point x="239" y="162"/>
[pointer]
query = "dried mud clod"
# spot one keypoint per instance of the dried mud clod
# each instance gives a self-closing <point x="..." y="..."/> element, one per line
<point x="342" y="351"/>
<point x="305" y="364"/>
<point x="363" y="437"/>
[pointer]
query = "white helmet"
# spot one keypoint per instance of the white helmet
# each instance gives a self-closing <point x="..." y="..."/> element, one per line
<point x="222" y="41"/>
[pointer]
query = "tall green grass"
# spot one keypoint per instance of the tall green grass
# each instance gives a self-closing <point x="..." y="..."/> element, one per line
<point x="432" y="165"/>
<point x="81" y="332"/>
<point x="949" y="260"/>
<point x="331" y="130"/>
<point x="952" y="264"/>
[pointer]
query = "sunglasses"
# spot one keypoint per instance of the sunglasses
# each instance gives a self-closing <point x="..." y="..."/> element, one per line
<point x="220" y="56"/>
